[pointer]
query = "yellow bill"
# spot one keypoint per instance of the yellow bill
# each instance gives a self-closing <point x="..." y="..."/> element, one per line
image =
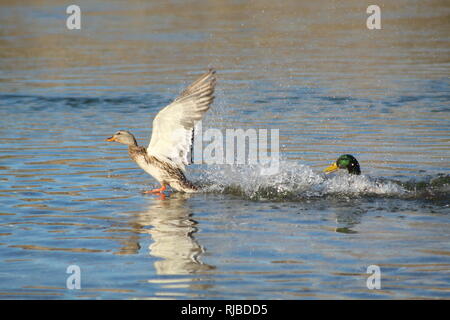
<point x="331" y="168"/>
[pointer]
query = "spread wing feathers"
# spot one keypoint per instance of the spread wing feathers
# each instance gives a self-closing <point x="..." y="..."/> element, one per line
<point x="173" y="126"/>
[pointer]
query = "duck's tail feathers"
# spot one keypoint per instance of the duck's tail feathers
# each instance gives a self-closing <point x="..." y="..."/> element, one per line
<point x="184" y="186"/>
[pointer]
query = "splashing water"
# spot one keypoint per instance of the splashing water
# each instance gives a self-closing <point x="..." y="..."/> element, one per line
<point x="292" y="182"/>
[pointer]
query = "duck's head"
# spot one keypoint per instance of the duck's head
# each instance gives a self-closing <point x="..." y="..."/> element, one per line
<point x="124" y="137"/>
<point x="346" y="161"/>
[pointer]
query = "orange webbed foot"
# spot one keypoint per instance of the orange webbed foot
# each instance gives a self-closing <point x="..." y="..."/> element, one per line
<point x="160" y="190"/>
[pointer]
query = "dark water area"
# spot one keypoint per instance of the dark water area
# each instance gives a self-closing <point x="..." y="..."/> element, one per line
<point x="311" y="70"/>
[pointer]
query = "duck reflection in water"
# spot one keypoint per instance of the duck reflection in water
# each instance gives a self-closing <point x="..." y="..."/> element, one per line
<point x="348" y="216"/>
<point x="168" y="221"/>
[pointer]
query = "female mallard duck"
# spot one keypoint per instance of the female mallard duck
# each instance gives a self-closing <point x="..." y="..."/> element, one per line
<point x="171" y="140"/>
<point x="346" y="161"/>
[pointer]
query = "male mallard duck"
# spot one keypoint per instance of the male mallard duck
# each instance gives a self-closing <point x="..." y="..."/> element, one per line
<point x="171" y="140"/>
<point x="346" y="161"/>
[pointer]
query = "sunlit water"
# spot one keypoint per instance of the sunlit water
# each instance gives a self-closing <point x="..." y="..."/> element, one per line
<point x="311" y="70"/>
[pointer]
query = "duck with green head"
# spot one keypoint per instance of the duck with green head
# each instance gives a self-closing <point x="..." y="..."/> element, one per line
<point x="347" y="162"/>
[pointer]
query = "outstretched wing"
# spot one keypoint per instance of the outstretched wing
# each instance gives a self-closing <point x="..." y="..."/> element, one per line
<point x="173" y="126"/>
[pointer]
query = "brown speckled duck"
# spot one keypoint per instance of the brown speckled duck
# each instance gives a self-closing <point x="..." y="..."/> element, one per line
<point x="173" y="127"/>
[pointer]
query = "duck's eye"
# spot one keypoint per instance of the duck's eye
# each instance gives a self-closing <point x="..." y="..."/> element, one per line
<point x="118" y="133"/>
